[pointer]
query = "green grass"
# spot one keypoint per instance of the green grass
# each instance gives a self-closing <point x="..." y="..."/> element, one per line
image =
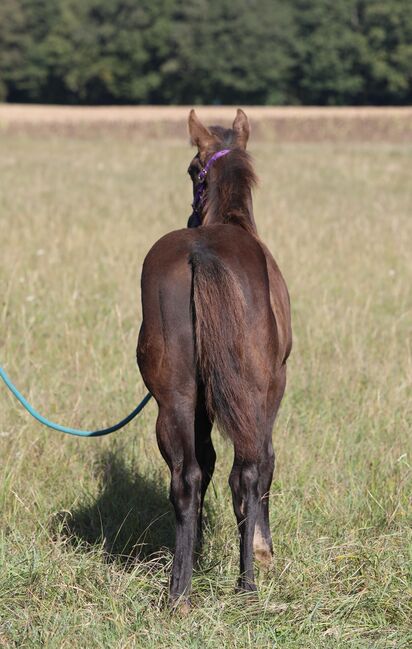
<point x="86" y="530"/>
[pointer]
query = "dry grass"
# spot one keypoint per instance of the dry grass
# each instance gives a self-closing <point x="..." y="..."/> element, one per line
<point x="285" y="124"/>
<point x="85" y="526"/>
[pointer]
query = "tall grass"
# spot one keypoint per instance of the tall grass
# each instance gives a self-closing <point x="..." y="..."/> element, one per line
<point x="86" y="530"/>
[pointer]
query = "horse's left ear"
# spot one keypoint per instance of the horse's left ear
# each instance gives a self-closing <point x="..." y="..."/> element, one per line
<point x="241" y="129"/>
<point x="200" y="136"/>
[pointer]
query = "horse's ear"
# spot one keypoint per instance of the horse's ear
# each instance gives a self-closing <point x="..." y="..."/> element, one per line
<point x="241" y="129"/>
<point x="200" y="136"/>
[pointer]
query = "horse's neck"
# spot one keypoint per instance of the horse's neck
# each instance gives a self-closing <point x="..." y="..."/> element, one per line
<point x="249" y="203"/>
<point x="231" y="205"/>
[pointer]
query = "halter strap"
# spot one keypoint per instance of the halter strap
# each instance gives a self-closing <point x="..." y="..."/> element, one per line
<point x="215" y="156"/>
<point x="198" y="199"/>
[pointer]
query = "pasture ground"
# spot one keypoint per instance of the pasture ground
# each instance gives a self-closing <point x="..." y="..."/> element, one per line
<point x="86" y="530"/>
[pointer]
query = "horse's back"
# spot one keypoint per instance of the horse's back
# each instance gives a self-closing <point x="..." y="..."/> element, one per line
<point x="170" y="257"/>
<point x="167" y="274"/>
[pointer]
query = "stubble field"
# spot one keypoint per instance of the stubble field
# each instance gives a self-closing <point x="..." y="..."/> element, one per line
<point x="86" y="530"/>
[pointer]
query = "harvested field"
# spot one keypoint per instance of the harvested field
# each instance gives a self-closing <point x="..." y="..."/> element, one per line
<point x="289" y="124"/>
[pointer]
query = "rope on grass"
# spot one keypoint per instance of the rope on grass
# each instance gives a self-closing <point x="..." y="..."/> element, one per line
<point x="67" y="429"/>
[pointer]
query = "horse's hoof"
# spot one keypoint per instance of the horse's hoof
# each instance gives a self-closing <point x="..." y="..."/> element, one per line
<point x="180" y="606"/>
<point x="264" y="557"/>
<point x="245" y="587"/>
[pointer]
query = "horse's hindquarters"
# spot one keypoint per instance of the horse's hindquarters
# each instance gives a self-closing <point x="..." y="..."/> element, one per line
<point x="165" y="352"/>
<point x="207" y="321"/>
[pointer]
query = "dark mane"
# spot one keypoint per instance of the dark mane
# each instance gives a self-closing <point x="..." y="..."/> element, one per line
<point x="229" y="194"/>
<point x="225" y="135"/>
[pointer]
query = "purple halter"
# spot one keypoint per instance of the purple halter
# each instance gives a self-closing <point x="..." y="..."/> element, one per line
<point x="198" y="199"/>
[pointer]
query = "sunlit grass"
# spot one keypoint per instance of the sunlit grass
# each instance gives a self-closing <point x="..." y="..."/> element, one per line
<point x="86" y="531"/>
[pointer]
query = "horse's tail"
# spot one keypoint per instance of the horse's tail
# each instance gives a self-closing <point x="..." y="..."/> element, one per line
<point x="220" y="333"/>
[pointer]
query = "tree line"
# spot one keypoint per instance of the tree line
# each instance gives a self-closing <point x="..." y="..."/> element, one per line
<point x="324" y="52"/>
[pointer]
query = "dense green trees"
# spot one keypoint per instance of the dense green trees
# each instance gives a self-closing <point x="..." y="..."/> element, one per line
<point x="206" y="51"/>
<point x="353" y="51"/>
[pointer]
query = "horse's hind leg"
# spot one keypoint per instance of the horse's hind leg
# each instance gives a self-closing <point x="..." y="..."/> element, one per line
<point x="262" y="542"/>
<point x="206" y="457"/>
<point x="175" y="436"/>
<point x="244" y="483"/>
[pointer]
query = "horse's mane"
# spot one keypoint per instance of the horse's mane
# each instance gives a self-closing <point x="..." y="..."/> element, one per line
<point x="229" y="195"/>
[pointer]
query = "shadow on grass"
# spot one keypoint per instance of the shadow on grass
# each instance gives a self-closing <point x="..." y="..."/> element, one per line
<point x="130" y="518"/>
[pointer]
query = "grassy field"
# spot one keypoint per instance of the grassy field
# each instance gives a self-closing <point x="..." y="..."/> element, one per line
<point x="86" y="530"/>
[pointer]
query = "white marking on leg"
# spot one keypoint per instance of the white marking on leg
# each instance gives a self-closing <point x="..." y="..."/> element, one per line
<point x="261" y="547"/>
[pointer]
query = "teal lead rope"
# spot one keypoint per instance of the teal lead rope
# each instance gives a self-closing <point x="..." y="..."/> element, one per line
<point x="65" y="429"/>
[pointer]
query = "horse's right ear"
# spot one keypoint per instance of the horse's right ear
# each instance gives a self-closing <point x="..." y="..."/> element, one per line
<point x="200" y="136"/>
<point x="241" y="128"/>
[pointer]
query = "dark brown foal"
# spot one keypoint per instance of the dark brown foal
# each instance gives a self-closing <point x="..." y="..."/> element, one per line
<point x="213" y="345"/>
